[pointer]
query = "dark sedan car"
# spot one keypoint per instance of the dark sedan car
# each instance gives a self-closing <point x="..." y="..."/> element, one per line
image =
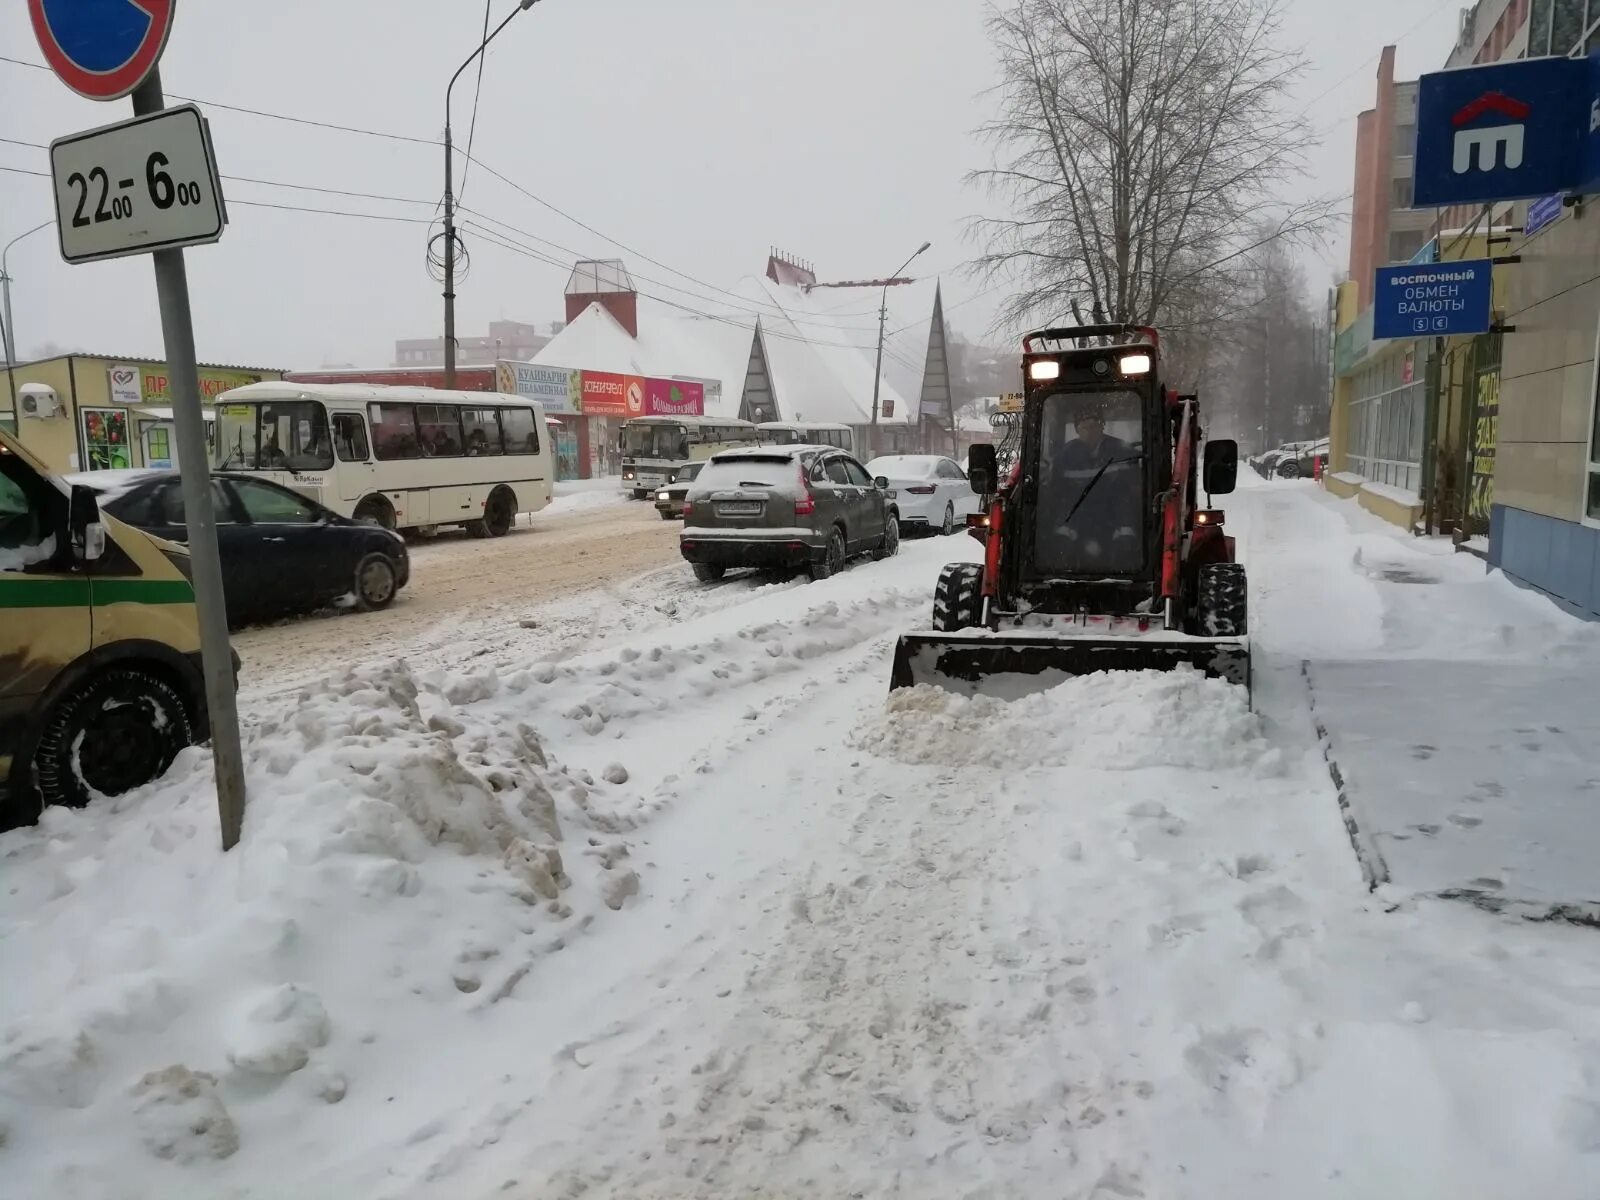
<point x="281" y="553"/>
<point x="669" y="500"/>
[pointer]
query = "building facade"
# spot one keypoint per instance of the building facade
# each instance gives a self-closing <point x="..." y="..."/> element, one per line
<point x="1545" y="502"/>
<point x="89" y="412"/>
<point x="1379" y="407"/>
<point x="506" y="340"/>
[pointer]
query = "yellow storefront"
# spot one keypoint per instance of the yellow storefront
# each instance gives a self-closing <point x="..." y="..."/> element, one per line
<point x="88" y="412"/>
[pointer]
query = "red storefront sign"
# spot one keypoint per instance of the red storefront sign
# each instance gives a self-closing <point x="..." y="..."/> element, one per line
<point x="674" y="398"/>
<point x="605" y="394"/>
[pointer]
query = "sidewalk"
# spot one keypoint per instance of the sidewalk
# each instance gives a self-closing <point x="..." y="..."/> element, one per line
<point x="1456" y="708"/>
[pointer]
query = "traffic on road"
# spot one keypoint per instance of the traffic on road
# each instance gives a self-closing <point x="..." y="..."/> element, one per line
<point x="515" y="685"/>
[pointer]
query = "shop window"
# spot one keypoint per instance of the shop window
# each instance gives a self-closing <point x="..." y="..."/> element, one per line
<point x="1591" y="507"/>
<point x="105" y="439"/>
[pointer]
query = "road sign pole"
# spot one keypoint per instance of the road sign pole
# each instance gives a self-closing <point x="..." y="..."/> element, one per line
<point x="177" y="331"/>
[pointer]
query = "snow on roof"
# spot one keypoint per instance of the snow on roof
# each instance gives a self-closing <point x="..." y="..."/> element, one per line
<point x="820" y="347"/>
<point x="670" y="342"/>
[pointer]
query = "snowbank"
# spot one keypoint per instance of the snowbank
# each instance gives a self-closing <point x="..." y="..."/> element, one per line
<point x="408" y="859"/>
<point x="577" y="495"/>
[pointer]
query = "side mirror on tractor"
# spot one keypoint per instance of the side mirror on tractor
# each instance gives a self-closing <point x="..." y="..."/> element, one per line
<point x="981" y="468"/>
<point x="1221" y="470"/>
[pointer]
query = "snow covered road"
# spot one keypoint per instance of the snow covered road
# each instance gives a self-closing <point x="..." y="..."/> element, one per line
<point x="675" y="902"/>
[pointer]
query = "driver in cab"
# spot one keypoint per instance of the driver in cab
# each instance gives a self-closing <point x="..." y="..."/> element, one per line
<point x="1089" y="506"/>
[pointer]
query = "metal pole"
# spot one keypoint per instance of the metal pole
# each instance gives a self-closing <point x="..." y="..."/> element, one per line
<point x="877" y="370"/>
<point x="877" y="373"/>
<point x="449" y="255"/>
<point x="5" y="307"/>
<point x="450" y="203"/>
<point x="177" y="331"/>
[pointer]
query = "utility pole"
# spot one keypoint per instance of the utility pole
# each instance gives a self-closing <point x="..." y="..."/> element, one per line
<point x="5" y="310"/>
<point x="449" y="234"/>
<point x="877" y="371"/>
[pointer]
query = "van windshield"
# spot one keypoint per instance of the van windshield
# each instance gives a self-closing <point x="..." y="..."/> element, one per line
<point x="282" y="435"/>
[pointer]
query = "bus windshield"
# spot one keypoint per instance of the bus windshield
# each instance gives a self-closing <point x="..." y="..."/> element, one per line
<point x="779" y="437"/>
<point x="656" y="441"/>
<point x="282" y="435"/>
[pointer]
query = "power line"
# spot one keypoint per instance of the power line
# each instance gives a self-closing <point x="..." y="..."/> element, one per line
<point x="477" y="91"/>
<point x="271" y="116"/>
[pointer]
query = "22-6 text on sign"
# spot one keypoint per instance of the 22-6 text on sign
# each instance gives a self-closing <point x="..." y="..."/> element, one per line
<point x="137" y="186"/>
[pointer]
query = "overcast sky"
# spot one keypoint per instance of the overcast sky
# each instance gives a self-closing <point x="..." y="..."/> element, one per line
<point x="697" y="132"/>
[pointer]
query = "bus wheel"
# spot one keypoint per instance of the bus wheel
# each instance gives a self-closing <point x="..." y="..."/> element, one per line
<point x="119" y="730"/>
<point x="375" y="510"/>
<point x="498" y="514"/>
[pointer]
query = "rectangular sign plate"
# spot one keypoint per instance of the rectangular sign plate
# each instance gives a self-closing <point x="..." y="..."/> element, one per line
<point x="1433" y="300"/>
<point x="141" y="185"/>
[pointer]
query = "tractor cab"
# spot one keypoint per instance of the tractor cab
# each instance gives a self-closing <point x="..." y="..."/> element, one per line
<point x="1098" y="552"/>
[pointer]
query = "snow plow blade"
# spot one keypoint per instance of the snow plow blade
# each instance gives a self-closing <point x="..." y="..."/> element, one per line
<point x="1017" y="664"/>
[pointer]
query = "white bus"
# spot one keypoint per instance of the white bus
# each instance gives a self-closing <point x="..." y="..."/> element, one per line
<point x="654" y="447"/>
<point x="401" y="457"/>
<point x="807" y="433"/>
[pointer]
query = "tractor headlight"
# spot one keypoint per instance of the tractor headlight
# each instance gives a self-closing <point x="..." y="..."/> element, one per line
<point x="1044" y="369"/>
<point x="1135" y="364"/>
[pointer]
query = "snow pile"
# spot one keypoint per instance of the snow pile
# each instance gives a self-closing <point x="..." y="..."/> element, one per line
<point x="1123" y="721"/>
<point x="408" y="859"/>
<point x="582" y="495"/>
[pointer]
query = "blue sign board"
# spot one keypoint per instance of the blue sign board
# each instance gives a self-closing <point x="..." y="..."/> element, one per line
<point x="102" y="49"/>
<point x="1433" y="300"/>
<point x="1542" y="212"/>
<point x="1501" y="132"/>
<point x="1508" y="131"/>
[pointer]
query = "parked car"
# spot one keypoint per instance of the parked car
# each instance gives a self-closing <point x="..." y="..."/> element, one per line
<point x="1266" y="464"/>
<point x="281" y="553"/>
<point x="931" y="491"/>
<point x="1301" y="464"/>
<point x="811" y="507"/>
<point x="669" y="500"/>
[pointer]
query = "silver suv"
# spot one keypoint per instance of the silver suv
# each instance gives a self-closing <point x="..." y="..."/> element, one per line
<point x="786" y="507"/>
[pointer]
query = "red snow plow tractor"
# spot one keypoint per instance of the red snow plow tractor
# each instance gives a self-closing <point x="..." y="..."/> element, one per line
<point x="1098" y="553"/>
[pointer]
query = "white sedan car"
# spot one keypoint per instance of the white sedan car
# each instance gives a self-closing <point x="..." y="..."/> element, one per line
<point x="932" y="492"/>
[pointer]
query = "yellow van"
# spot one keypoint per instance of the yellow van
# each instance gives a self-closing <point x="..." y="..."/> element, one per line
<point x="100" y="682"/>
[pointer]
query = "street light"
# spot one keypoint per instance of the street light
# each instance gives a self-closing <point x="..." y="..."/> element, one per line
<point x="883" y="316"/>
<point x="5" y="305"/>
<point x="450" y="204"/>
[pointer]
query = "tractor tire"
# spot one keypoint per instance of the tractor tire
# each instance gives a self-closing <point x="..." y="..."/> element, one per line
<point x="1224" y="601"/>
<point x="958" y="598"/>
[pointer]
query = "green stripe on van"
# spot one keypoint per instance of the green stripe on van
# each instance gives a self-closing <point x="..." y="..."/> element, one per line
<point x="35" y="592"/>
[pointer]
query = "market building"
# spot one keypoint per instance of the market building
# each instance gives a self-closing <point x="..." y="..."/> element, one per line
<point x="92" y="412"/>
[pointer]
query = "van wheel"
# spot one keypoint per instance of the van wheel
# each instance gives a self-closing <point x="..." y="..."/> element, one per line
<point x="832" y="558"/>
<point x="376" y="582"/>
<point x="376" y="511"/>
<point x="119" y="730"/>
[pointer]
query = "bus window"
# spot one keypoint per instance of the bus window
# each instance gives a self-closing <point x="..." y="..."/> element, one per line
<point x="394" y="431"/>
<point x="350" y="437"/>
<point x="522" y="431"/>
<point x="482" y="426"/>
<point x="439" y="430"/>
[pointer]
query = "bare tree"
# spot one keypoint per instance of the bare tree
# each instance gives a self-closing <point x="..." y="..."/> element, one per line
<point x="1140" y="146"/>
